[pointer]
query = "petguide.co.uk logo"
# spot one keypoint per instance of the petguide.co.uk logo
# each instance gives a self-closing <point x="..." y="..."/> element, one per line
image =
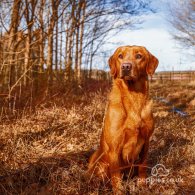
<point x="161" y="175"/>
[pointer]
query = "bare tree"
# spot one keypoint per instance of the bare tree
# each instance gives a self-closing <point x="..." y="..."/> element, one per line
<point x="29" y="17"/>
<point x="52" y="23"/>
<point x="15" y="20"/>
<point x="69" y="39"/>
<point x="47" y="40"/>
<point x="183" y="20"/>
<point x="80" y="34"/>
<point x="41" y="34"/>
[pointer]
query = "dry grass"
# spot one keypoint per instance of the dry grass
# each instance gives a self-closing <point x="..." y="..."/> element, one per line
<point x="192" y="83"/>
<point x="47" y="152"/>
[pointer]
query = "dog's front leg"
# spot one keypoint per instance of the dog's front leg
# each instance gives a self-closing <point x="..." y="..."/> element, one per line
<point x="114" y="168"/>
<point x="129" y="146"/>
<point x="143" y="161"/>
<point x="146" y="131"/>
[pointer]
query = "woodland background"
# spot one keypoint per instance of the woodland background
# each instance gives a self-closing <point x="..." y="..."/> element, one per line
<point x="53" y="43"/>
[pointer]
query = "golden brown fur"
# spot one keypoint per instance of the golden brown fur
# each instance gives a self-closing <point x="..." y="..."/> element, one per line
<point x="128" y="121"/>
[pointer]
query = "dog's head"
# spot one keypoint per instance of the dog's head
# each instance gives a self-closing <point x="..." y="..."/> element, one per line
<point x="132" y="62"/>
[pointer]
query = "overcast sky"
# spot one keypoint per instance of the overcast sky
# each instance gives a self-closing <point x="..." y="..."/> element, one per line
<point x="154" y="34"/>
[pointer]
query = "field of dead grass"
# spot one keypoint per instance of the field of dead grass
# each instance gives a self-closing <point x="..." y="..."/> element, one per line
<point x="47" y="151"/>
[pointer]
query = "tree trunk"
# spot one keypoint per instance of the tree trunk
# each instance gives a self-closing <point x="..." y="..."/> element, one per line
<point x="81" y="41"/>
<point x="91" y="60"/>
<point x="61" y="29"/>
<point x="50" y="58"/>
<point x="78" y="19"/>
<point x="77" y="53"/>
<point x="56" y="47"/>
<point x="41" y="42"/>
<point x="15" y="20"/>
<point x="70" y="44"/>
<point x="27" y="58"/>
<point x="53" y="21"/>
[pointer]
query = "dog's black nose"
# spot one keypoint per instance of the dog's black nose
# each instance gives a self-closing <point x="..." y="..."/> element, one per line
<point x="126" y="66"/>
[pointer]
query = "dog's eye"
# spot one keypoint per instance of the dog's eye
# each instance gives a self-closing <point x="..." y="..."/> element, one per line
<point x="138" y="56"/>
<point x="120" y="56"/>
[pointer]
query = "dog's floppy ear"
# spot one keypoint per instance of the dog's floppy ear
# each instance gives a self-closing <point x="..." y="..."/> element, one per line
<point x="152" y="64"/>
<point x="112" y="64"/>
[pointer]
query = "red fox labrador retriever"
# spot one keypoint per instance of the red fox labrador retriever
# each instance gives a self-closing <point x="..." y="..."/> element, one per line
<point x="128" y="122"/>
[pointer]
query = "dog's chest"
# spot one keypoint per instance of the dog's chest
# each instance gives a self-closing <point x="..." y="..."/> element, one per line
<point x="133" y="103"/>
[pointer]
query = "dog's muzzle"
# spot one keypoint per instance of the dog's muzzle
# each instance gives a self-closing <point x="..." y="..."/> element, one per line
<point x="126" y="71"/>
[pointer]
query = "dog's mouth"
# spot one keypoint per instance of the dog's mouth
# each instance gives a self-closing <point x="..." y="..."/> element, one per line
<point x="128" y="77"/>
<point x="128" y="74"/>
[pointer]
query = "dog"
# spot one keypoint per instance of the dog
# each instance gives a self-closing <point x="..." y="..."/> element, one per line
<point x="128" y="121"/>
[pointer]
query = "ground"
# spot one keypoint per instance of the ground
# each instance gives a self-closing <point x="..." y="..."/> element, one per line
<point x="46" y="151"/>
